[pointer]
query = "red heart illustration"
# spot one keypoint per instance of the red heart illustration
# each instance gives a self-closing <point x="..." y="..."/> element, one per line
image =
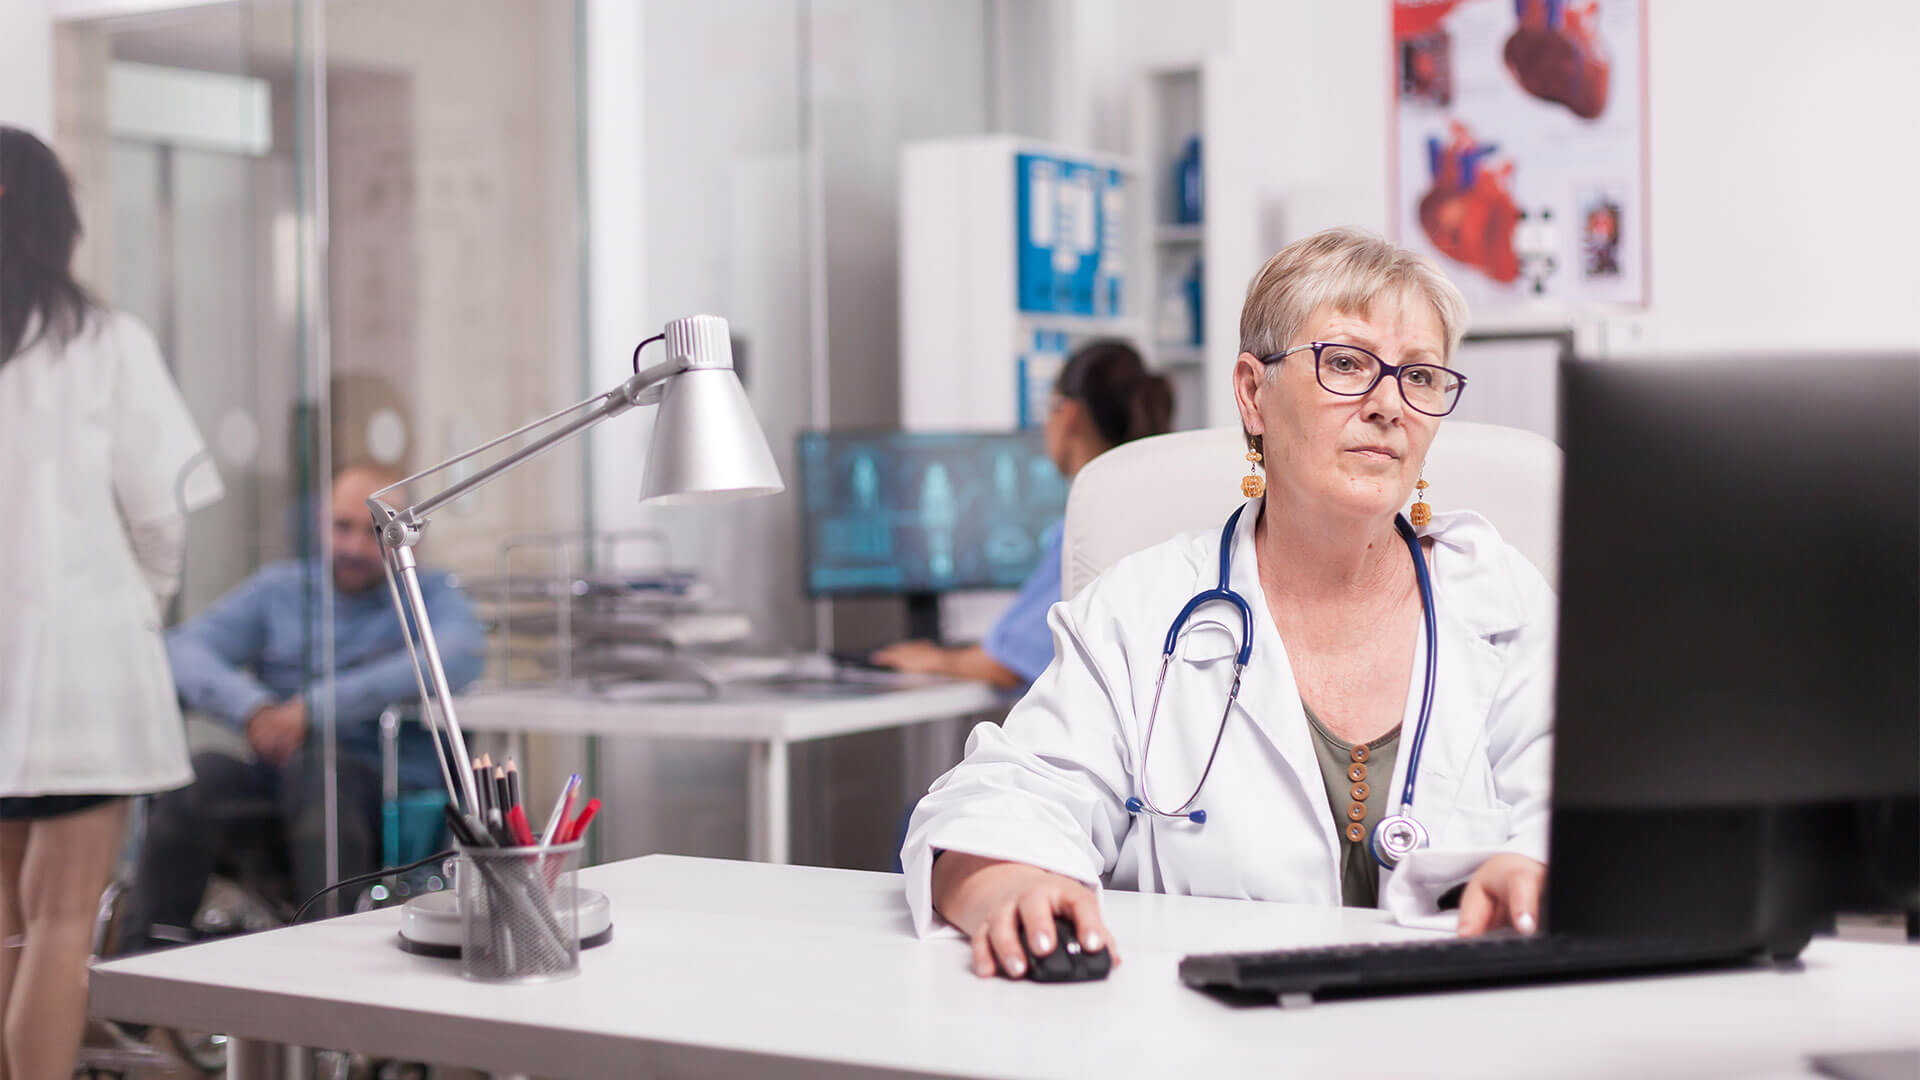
<point x="1469" y="212"/>
<point x="1556" y="55"/>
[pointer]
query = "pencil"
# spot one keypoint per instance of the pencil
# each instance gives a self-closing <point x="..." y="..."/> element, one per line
<point x="580" y="823"/>
<point x="518" y="827"/>
<point x="482" y="769"/>
<point x="557" y="821"/>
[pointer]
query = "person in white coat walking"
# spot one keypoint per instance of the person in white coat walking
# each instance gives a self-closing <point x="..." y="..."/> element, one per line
<point x="99" y="464"/>
<point x="1357" y="623"/>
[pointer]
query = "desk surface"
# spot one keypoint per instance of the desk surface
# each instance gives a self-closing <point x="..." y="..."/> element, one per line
<point x="723" y="968"/>
<point x="737" y="713"/>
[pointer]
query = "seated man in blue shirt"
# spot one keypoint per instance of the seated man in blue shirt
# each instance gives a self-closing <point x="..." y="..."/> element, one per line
<point x="253" y="660"/>
<point x="1105" y="396"/>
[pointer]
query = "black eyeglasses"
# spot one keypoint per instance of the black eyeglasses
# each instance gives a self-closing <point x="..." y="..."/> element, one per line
<point x="1351" y="371"/>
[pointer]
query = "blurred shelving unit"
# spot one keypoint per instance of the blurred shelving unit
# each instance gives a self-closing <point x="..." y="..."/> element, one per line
<point x="1193" y="127"/>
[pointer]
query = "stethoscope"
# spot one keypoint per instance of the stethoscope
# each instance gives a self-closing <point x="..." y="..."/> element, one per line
<point x="1394" y="836"/>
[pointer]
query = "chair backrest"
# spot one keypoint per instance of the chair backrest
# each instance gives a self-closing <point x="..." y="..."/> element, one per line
<point x="1136" y="495"/>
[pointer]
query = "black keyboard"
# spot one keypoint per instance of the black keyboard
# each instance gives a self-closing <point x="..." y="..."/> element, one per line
<point x="1299" y="976"/>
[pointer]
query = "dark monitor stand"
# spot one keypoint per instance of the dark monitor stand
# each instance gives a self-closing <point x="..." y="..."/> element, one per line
<point x="923" y="616"/>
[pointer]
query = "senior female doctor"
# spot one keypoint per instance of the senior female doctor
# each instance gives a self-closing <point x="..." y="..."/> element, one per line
<point x="1356" y="625"/>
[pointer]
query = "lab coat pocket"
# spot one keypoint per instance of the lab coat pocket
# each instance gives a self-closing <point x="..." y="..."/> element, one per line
<point x="1466" y="837"/>
<point x="1477" y="828"/>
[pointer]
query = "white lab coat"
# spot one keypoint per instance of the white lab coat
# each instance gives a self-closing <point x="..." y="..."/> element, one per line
<point x="1049" y="787"/>
<point x="97" y="452"/>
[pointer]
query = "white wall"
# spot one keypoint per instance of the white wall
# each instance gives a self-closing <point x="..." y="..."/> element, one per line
<point x="26" y="66"/>
<point x="725" y="233"/>
<point x="1782" y="151"/>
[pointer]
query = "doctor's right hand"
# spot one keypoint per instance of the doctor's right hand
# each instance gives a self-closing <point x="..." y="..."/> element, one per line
<point x="994" y="901"/>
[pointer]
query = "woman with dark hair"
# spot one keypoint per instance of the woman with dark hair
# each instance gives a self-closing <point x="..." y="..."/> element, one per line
<point x="99" y="464"/>
<point x="1105" y="396"/>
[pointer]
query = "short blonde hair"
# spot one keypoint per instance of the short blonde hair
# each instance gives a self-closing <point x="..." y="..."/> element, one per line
<point x="1348" y="270"/>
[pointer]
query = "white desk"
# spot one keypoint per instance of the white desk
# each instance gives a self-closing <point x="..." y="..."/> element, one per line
<point x="768" y="719"/>
<point x="743" y="969"/>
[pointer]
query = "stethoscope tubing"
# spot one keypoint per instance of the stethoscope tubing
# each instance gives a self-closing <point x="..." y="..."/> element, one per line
<point x="1224" y="593"/>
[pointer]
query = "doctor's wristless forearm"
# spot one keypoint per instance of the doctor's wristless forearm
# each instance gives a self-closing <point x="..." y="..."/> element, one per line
<point x="994" y="902"/>
<point x="953" y="661"/>
<point x="974" y="662"/>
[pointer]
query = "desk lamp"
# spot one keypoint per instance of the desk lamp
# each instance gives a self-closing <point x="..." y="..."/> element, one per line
<point x="706" y="447"/>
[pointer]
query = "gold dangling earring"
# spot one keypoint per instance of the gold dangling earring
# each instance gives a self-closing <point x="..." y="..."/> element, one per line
<point x="1421" y="514"/>
<point x="1252" y="485"/>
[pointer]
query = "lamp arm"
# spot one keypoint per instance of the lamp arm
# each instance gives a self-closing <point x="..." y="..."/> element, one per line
<point x="642" y="388"/>
<point x="484" y="447"/>
<point x="461" y="790"/>
<point x="399" y="531"/>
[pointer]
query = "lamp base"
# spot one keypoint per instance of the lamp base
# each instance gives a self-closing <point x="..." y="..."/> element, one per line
<point x="430" y="923"/>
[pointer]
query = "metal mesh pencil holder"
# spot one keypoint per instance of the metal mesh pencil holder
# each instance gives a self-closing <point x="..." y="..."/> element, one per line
<point x="511" y="928"/>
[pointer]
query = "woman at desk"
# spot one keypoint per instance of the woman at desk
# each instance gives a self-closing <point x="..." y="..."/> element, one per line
<point x="1265" y="746"/>
<point x="99" y="465"/>
<point x="1105" y="396"/>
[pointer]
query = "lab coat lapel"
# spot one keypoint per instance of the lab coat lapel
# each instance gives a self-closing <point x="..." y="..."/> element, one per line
<point x="1269" y="698"/>
<point x="1470" y="613"/>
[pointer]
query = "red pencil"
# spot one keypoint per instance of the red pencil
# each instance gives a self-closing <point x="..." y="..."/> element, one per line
<point x="517" y="821"/>
<point x="579" y="826"/>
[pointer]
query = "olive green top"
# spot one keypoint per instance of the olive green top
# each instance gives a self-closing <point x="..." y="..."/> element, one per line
<point x="1359" y="872"/>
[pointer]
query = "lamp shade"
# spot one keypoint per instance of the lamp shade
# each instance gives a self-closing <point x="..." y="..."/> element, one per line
<point x="707" y="444"/>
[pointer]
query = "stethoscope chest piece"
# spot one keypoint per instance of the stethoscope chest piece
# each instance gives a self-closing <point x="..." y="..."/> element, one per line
<point x="1395" y="837"/>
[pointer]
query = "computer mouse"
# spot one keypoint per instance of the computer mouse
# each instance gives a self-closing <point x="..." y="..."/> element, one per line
<point x="1068" y="962"/>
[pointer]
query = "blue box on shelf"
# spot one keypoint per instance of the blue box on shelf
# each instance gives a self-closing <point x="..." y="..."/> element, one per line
<point x="1036" y="229"/>
<point x="1070" y="236"/>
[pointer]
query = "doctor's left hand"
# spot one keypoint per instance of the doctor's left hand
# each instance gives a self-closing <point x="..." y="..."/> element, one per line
<point x="1505" y="891"/>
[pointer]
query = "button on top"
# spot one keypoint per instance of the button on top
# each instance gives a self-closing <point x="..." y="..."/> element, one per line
<point x="1360" y="753"/>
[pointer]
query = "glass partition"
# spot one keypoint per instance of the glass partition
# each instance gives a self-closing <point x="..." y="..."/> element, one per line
<point x="352" y="227"/>
<point x="180" y="130"/>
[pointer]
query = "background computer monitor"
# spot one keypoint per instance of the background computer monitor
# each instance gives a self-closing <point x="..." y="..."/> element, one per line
<point x="1738" y="717"/>
<point x="917" y="514"/>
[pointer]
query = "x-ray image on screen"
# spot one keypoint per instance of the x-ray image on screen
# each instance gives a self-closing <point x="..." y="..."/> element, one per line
<point x="899" y="512"/>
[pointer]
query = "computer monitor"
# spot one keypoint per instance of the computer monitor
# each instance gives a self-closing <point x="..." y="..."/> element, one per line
<point x="916" y="514"/>
<point x="1737" y="734"/>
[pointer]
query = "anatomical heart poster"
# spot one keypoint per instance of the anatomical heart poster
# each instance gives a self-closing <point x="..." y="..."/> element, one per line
<point x="1520" y="148"/>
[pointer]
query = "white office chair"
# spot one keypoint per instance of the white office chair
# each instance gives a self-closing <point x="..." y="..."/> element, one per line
<point x="1136" y="495"/>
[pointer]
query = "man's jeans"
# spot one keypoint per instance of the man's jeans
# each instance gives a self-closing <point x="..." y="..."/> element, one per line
<point x="188" y="829"/>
